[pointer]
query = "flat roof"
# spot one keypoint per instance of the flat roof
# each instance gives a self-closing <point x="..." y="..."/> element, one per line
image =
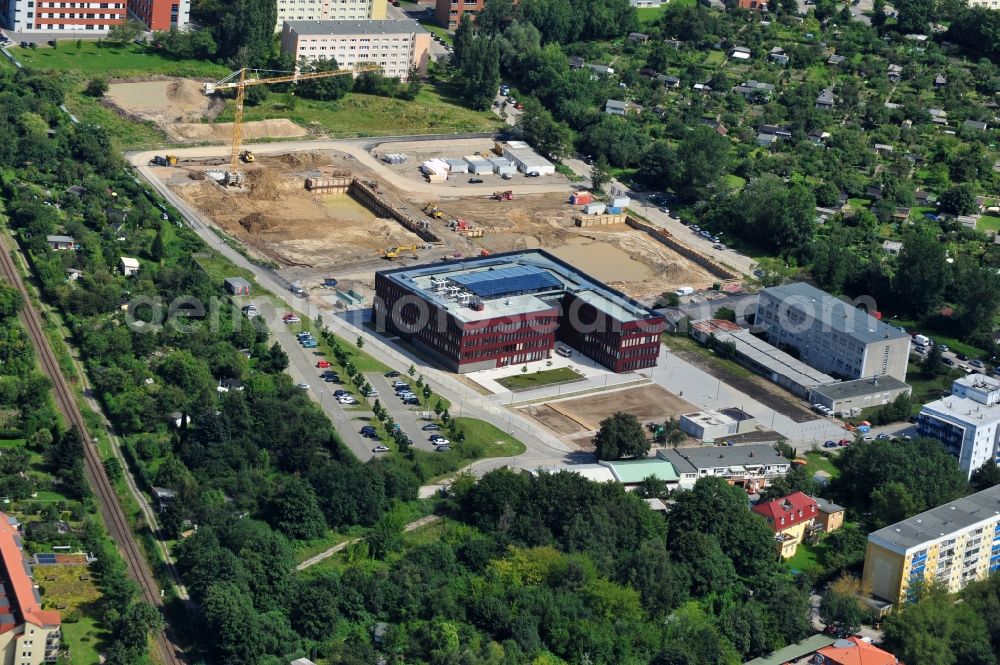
<point x="634" y="471"/>
<point x="835" y="313"/>
<point x="380" y="27"/>
<point x="774" y="358"/>
<point x="939" y="523"/>
<point x="525" y="154"/>
<point x="859" y="387"/>
<point x="542" y="278"/>
<point x="237" y="281"/>
<point x="18" y="580"/>
<point x="710" y="457"/>
<point x="963" y="409"/>
<point x="827" y="506"/>
<point x="595" y="472"/>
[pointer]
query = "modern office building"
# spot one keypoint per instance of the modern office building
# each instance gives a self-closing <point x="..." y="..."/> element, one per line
<point x="967" y="422"/>
<point x="509" y="309"/>
<point x="950" y="545"/>
<point x="29" y="635"/>
<point x="831" y="335"/>
<point x="790" y="517"/>
<point x="163" y="14"/>
<point x="393" y="45"/>
<point x="330" y="10"/>
<point x="65" y="17"/>
<point x="750" y="466"/>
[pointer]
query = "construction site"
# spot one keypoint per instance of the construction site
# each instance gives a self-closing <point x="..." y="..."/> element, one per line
<point x="334" y="227"/>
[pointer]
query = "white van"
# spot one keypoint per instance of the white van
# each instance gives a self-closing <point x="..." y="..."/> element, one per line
<point x="564" y="351"/>
<point x="684" y="291"/>
<point x="921" y="340"/>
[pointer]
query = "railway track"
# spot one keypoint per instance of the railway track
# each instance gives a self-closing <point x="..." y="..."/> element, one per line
<point x="114" y="517"/>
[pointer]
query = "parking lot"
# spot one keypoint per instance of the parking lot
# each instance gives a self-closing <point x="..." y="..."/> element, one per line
<point x="411" y="418"/>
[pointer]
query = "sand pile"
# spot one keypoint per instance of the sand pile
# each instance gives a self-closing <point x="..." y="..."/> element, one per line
<point x="223" y="131"/>
<point x="257" y="222"/>
<point x="185" y="91"/>
<point x="305" y="160"/>
<point x="264" y="185"/>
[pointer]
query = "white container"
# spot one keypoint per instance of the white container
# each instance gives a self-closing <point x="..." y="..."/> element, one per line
<point x="594" y="209"/>
<point x="620" y="202"/>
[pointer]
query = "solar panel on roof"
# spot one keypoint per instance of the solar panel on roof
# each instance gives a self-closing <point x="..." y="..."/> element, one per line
<point x="507" y="281"/>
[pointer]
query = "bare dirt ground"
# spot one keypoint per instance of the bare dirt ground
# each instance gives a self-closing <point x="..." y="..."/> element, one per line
<point x="622" y="257"/>
<point x="276" y="216"/>
<point x="178" y="106"/>
<point x="583" y="415"/>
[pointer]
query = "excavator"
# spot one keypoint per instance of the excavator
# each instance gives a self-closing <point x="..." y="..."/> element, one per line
<point x="432" y="210"/>
<point x="247" y="156"/>
<point x="394" y="252"/>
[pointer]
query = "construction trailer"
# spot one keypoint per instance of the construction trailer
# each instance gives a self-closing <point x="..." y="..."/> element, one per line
<point x="524" y="157"/>
<point x="478" y="165"/>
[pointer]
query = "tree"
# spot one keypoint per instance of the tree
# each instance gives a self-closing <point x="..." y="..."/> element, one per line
<point x="921" y="275"/>
<point x="599" y="175"/>
<point x="243" y="30"/>
<point x="985" y="477"/>
<point x="541" y="130"/>
<point x="96" y="87"/>
<point x="125" y="32"/>
<point x="496" y="16"/>
<point x="135" y="624"/>
<point x="938" y="631"/>
<point x="294" y="510"/>
<point x="359" y="342"/>
<point x="328" y="89"/>
<point x="959" y="200"/>
<point x="933" y="362"/>
<point x="704" y="156"/>
<point x="843" y="610"/>
<point x="620" y="436"/>
<point x="479" y="71"/>
<point x="976" y="294"/>
<point x="157" y="248"/>
<point x="913" y="15"/>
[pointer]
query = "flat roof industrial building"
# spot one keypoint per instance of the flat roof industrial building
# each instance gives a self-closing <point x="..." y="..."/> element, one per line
<point x="509" y="309"/>
<point x="785" y="370"/>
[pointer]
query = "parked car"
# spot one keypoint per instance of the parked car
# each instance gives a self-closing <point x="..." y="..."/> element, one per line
<point x="310" y="344"/>
<point x="411" y="401"/>
<point x="331" y="378"/>
<point x="431" y="427"/>
<point x="338" y="393"/>
<point x="948" y="361"/>
<point x="392" y="375"/>
<point x="844" y="442"/>
<point x="829" y="444"/>
<point x="303" y="386"/>
<point x="435" y="438"/>
<point x="291" y="319"/>
<point x="945" y="348"/>
<point x="883" y="437"/>
<point x="961" y="356"/>
<point x="380" y="449"/>
<point x="978" y="364"/>
<point x="303" y="335"/>
<point x="371" y="393"/>
<point x="443" y="448"/>
<point x="475" y="181"/>
<point x="323" y="363"/>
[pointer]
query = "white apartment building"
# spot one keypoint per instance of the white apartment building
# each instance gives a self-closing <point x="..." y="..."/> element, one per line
<point x="950" y="545"/>
<point x="330" y="10"/>
<point x="831" y="335"/>
<point x="967" y="422"/>
<point x="393" y="45"/>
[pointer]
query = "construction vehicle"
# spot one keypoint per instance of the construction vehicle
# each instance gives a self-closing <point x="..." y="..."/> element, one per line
<point x="432" y="210"/>
<point x="240" y="79"/>
<point x="169" y="160"/>
<point x="247" y="156"/>
<point x="394" y="252"/>
<point x="503" y="196"/>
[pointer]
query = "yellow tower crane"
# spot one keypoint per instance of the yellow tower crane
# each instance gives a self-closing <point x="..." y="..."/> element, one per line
<point x="240" y="79"/>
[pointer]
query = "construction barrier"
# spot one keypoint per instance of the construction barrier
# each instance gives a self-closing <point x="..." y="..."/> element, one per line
<point x="716" y="269"/>
<point x="368" y="197"/>
<point x="328" y="185"/>
<point x="584" y="221"/>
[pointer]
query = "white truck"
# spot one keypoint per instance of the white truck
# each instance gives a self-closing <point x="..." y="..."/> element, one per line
<point x="921" y="341"/>
<point x="684" y="291"/>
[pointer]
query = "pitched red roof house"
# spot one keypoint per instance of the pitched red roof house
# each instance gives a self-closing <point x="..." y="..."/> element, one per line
<point x="787" y="511"/>
<point x="853" y="651"/>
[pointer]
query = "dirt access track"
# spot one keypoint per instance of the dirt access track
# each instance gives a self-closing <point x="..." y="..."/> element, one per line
<point x="580" y="418"/>
<point x="180" y="108"/>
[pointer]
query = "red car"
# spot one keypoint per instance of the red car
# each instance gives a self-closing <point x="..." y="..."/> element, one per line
<point x="844" y="442"/>
<point x="323" y="364"/>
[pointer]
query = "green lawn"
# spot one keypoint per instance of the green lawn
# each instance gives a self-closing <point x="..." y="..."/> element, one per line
<point x="432" y="112"/>
<point x="540" y="378"/>
<point x="939" y="338"/>
<point x="431" y="25"/>
<point x="482" y="440"/>
<point x="819" y="463"/>
<point x="926" y="388"/>
<point x="734" y="181"/>
<point x="125" y="133"/>
<point x="649" y="15"/>
<point x="988" y="224"/>
<point x="806" y="558"/>
<point x="714" y="59"/>
<point x="107" y="60"/>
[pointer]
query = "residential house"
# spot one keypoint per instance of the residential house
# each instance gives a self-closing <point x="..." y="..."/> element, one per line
<point x="766" y="140"/>
<point x="701" y="87"/>
<point x="853" y="650"/>
<point x="825" y="101"/>
<point x="638" y="37"/>
<point x="940" y="81"/>
<point x="60" y="242"/>
<point x="576" y="62"/>
<point x="818" y="137"/>
<point x="227" y="385"/>
<point x="237" y="286"/>
<point x="72" y="274"/>
<point x="975" y="125"/>
<point x="901" y="214"/>
<point x="302" y="661"/>
<point x="128" y="266"/>
<point x="163" y="496"/>
<point x="750" y="466"/>
<point x="645" y="4"/>
<point x="75" y="190"/>
<point x="616" y="107"/>
<point x="755" y="91"/>
<point x="29" y="635"/>
<point x="894" y="73"/>
<point x="781" y="131"/>
<point x="883" y="149"/>
<point x="714" y="4"/>
<point x="600" y="70"/>
<point x="923" y="198"/>
<point x="676" y="43"/>
<point x="938" y="116"/>
<point x="835" y="59"/>
<point x="739" y="53"/>
<point x="668" y="81"/>
<point x="778" y="56"/>
<point x="829" y="516"/>
<point x="752" y="5"/>
<point x="892" y="247"/>
<point x="719" y="128"/>
<point x="789" y="517"/>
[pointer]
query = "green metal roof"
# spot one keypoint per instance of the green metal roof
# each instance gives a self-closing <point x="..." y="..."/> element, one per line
<point x="634" y="471"/>
<point x="793" y="651"/>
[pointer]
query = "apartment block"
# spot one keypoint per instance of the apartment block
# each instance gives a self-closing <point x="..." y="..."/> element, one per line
<point x="162" y="14"/>
<point x="393" y="45"/>
<point x="48" y="15"/>
<point x="330" y="10"/>
<point x="831" y="335"/>
<point x="29" y="635"/>
<point x="449" y="12"/>
<point x="950" y="545"/>
<point x="967" y="422"/>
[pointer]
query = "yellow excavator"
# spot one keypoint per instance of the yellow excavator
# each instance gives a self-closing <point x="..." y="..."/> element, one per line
<point x="432" y="210"/>
<point x="247" y="156"/>
<point x="394" y="252"/>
